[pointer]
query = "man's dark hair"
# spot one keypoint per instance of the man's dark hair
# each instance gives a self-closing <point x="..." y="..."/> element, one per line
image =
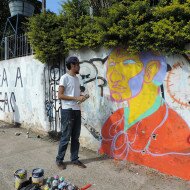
<point x="71" y="60"/>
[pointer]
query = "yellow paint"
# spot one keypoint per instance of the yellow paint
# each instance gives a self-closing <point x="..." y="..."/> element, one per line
<point x="119" y="73"/>
<point x="142" y="102"/>
<point x="150" y="71"/>
<point x="146" y="98"/>
<point x="121" y="67"/>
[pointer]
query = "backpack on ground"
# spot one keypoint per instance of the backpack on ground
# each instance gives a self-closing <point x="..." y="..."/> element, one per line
<point x="27" y="185"/>
<point x="31" y="187"/>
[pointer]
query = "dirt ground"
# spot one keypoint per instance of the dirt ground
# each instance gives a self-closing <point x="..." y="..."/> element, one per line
<point x="18" y="151"/>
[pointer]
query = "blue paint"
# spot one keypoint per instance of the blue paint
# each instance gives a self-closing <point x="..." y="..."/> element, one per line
<point x="129" y="61"/>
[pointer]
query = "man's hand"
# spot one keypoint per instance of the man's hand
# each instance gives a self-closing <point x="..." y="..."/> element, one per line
<point x="69" y="98"/>
<point x="80" y="98"/>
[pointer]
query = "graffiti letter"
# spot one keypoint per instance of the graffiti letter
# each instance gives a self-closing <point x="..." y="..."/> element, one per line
<point x="4" y="77"/>
<point x="13" y="101"/>
<point x="1" y="102"/>
<point x="18" y="76"/>
<point x="6" y="102"/>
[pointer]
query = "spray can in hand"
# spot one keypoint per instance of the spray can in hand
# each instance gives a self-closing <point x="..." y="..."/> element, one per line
<point x="85" y="97"/>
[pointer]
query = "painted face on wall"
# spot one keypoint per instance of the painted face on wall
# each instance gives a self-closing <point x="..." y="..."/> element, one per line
<point x="123" y="70"/>
<point x="128" y="73"/>
<point x="136" y="79"/>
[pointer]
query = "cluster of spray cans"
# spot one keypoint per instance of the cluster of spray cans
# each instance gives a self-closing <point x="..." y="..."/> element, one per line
<point x="52" y="183"/>
<point x="58" y="183"/>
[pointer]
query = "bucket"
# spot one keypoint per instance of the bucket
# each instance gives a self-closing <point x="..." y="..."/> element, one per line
<point x="38" y="176"/>
<point x="20" y="177"/>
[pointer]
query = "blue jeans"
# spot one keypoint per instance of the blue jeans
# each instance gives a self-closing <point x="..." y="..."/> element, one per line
<point x="70" y="128"/>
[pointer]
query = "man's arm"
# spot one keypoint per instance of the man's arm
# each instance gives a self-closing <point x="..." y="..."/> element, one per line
<point x="69" y="98"/>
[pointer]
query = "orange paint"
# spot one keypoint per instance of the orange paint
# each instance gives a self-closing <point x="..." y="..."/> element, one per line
<point x="172" y="136"/>
<point x="86" y="187"/>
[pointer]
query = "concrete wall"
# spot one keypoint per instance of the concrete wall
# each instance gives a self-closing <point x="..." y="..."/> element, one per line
<point x="139" y="106"/>
<point x="138" y="110"/>
<point x="22" y="88"/>
<point x="99" y="107"/>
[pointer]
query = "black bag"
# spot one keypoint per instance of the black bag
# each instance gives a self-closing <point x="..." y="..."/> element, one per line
<point x="27" y="185"/>
<point x="31" y="187"/>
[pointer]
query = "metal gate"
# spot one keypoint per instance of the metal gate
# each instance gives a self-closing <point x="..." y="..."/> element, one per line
<point x="52" y="74"/>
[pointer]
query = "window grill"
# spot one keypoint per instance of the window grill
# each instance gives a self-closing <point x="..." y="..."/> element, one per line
<point x="15" y="46"/>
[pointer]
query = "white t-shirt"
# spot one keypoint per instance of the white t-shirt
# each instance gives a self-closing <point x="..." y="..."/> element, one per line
<point x="71" y="88"/>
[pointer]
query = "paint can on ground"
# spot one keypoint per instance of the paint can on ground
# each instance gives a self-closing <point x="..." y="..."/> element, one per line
<point x="38" y="176"/>
<point x="20" y="177"/>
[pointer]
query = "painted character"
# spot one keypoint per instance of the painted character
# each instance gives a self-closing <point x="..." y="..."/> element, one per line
<point x="147" y="131"/>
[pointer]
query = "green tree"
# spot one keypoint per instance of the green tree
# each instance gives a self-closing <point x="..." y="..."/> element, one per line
<point x="44" y="32"/>
<point x="100" y="7"/>
<point x="4" y="14"/>
<point x="142" y="27"/>
<point x="79" y="29"/>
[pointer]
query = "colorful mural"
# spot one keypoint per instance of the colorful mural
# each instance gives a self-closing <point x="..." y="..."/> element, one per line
<point x="147" y="131"/>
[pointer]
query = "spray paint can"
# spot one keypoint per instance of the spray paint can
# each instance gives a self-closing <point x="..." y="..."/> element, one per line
<point x="48" y="182"/>
<point x="85" y="97"/>
<point x="56" y="177"/>
<point x="61" y="179"/>
<point x="20" y="177"/>
<point x="38" y="176"/>
<point x="46" y="187"/>
<point x="55" y="184"/>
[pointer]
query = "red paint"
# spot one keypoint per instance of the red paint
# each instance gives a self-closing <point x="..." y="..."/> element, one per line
<point x="171" y="137"/>
<point x="86" y="187"/>
<point x="188" y="140"/>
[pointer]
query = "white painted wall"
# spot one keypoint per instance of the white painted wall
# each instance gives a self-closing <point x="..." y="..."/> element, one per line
<point x="97" y="109"/>
<point x="177" y="86"/>
<point x="24" y="79"/>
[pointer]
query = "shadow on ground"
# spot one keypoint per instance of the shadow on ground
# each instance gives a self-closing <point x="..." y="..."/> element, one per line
<point x="9" y="125"/>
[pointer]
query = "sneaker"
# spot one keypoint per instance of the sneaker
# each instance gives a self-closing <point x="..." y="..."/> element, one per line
<point x="61" y="165"/>
<point x="79" y="163"/>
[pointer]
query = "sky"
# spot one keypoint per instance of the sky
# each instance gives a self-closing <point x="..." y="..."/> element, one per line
<point x="54" y="5"/>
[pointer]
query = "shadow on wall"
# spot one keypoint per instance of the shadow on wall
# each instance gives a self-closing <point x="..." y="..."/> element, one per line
<point x="16" y="114"/>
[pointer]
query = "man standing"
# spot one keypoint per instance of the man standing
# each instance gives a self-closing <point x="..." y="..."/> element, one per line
<point x="69" y="94"/>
